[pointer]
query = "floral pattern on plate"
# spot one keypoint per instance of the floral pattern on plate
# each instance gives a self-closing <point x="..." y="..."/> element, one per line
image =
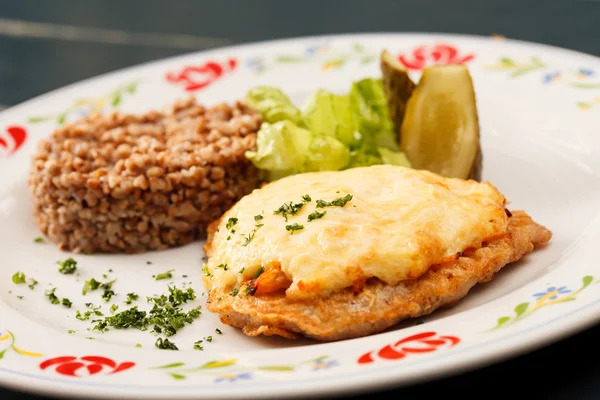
<point x="69" y="362"/>
<point x="11" y="139"/>
<point x="90" y="106"/>
<point x="426" y="342"/>
<point x="72" y="366"/>
<point x="552" y="295"/>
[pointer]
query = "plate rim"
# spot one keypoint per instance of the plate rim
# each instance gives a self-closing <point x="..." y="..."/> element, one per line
<point x="577" y="321"/>
<point x="345" y="35"/>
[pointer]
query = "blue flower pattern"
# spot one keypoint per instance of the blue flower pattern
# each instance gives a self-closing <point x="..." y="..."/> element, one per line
<point x="316" y="49"/>
<point x="324" y="364"/>
<point x="581" y="73"/>
<point x="552" y="289"/>
<point x="234" y="377"/>
<point x="585" y="73"/>
<point x="256" y="64"/>
<point x="551" y="77"/>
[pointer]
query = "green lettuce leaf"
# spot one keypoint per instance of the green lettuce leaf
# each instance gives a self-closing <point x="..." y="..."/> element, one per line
<point x="281" y="148"/>
<point x="393" y="157"/>
<point x="273" y="104"/>
<point x="327" y="154"/>
<point x="369" y="110"/>
<point x="332" y="132"/>
<point x="325" y="113"/>
<point x="362" y="158"/>
<point x="284" y="149"/>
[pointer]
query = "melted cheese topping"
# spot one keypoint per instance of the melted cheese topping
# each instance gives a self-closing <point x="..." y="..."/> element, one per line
<point x="399" y="222"/>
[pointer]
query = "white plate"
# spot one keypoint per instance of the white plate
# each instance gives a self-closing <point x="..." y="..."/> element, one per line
<point x="539" y="110"/>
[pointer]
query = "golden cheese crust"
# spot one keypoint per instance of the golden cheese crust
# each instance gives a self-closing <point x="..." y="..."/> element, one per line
<point x="345" y="314"/>
<point x="330" y="230"/>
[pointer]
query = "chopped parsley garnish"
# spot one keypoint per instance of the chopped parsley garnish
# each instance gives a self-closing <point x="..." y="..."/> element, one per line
<point x="235" y="291"/>
<point x="259" y="272"/>
<point x="218" y="331"/>
<point x="294" y="227"/>
<point x="250" y="290"/>
<point x="208" y="339"/>
<point x="67" y="266"/>
<point x="39" y="239"/>
<point x="206" y="271"/>
<point x="18" y="278"/>
<point x="198" y="345"/>
<point x="67" y="303"/>
<point x="90" y="285"/>
<point x="51" y="296"/>
<point x="32" y="284"/>
<point x="148" y="262"/>
<point x="130" y="318"/>
<point x="165" y="344"/>
<point x="248" y="238"/>
<point x="138" y="345"/>
<point x="165" y="317"/>
<point x="131" y="297"/>
<point x="306" y="198"/>
<point x="316" y="215"/>
<point x="169" y="320"/>
<point x="288" y="209"/>
<point x="20" y="297"/>
<point x="258" y="217"/>
<point x="85" y="316"/>
<point x="108" y="294"/>
<point x="224" y="266"/>
<point x="93" y="284"/>
<point x="165" y="275"/>
<point x="179" y="296"/>
<point x="71" y="331"/>
<point x="231" y="223"/>
<point x="114" y="308"/>
<point x="339" y="202"/>
<point x="242" y="270"/>
<point x="176" y="297"/>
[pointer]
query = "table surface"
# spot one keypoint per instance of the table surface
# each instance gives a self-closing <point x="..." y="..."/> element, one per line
<point x="37" y="55"/>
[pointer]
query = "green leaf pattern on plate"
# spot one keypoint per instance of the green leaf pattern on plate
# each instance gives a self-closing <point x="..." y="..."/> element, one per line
<point x="579" y="78"/>
<point x="322" y="53"/>
<point x="230" y="371"/>
<point x="9" y="338"/>
<point x="552" y="295"/>
<point x="91" y="106"/>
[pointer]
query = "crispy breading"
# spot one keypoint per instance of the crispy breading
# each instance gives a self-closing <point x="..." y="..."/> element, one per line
<point x="378" y="306"/>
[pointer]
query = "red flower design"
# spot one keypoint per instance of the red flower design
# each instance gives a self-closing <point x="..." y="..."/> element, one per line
<point x="12" y="139"/>
<point x="425" y="342"/>
<point x="196" y="77"/>
<point x="70" y="365"/>
<point x="423" y="56"/>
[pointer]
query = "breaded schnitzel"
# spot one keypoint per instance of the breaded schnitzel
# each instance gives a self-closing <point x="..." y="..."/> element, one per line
<point x="396" y="243"/>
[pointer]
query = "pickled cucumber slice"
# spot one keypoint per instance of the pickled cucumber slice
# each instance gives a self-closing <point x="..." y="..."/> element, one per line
<point x="440" y="130"/>
<point x="397" y="86"/>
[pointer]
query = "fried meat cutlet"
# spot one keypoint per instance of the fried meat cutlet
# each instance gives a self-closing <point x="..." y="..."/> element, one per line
<point x="378" y="306"/>
<point x="342" y="254"/>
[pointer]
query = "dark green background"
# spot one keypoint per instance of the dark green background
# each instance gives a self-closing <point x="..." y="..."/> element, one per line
<point x="32" y="65"/>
